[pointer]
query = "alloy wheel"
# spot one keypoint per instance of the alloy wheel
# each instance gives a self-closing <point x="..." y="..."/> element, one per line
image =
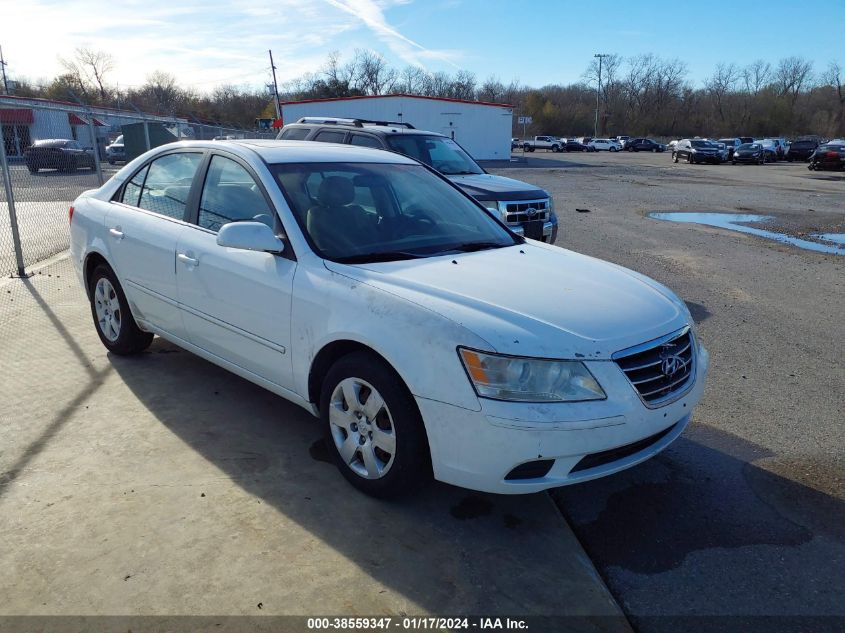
<point x="108" y="310"/>
<point x="362" y="428"/>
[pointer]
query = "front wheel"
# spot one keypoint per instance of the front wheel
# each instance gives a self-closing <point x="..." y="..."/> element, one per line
<point x="612" y="149"/>
<point x="674" y="157"/>
<point x="373" y="428"/>
<point x="112" y="317"/>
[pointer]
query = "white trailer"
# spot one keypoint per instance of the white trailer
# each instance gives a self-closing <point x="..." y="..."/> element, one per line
<point x="483" y="129"/>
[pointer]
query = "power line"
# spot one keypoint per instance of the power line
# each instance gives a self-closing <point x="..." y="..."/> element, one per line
<point x="3" y="65"/>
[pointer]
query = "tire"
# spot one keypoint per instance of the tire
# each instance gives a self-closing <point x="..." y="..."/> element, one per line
<point x="556" y="149"/>
<point x="690" y="161"/>
<point x="733" y="162"/>
<point x="674" y="157"/>
<point x="113" y="319"/>
<point x="32" y="169"/>
<point x="613" y="148"/>
<point x="396" y="425"/>
<point x="531" y="149"/>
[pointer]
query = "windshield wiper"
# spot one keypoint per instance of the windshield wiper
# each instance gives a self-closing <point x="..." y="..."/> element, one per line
<point x="462" y="173"/>
<point x="471" y="247"/>
<point x="384" y="256"/>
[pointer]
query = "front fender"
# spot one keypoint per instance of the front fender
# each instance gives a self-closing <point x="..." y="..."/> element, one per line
<point x="417" y="342"/>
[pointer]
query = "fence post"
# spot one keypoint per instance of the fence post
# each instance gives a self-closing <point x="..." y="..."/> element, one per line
<point x="92" y="131"/>
<point x="13" y="216"/>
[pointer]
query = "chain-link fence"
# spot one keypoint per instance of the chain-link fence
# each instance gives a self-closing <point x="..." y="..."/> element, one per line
<point x="51" y="152"/>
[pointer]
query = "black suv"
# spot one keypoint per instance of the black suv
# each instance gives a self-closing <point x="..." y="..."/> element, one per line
<point x="695" y="150"/>
<point x="801" y="150"/>
<point x="526" y="209"/>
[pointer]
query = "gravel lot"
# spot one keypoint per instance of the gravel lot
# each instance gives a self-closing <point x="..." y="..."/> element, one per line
<point x="744" y="514"/>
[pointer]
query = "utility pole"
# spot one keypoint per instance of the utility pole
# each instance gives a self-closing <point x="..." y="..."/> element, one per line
<point x="275" y="88"/>
<point x="3" y="66"/>
<point x="600" y="56"/>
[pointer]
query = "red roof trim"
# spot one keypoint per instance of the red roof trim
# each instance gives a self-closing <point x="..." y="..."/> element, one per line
<point x="401" y="94"/>
<point x="74" y="119"/>
<point x="16" y="116"/>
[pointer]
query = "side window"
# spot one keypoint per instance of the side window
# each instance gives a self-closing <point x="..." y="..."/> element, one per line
<point x="363" y="140"/>
<point x="168" y="184"/>
<point x="230" y="194"/>
<point x="132" y="189"/>
<point x="295" y="133"/>
<point x="330" y="136"/>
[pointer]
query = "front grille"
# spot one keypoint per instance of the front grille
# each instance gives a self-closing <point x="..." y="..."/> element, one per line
<point x="595" y="460"/>
<point x="517" y="212"/>
<point x="660" y="369"/>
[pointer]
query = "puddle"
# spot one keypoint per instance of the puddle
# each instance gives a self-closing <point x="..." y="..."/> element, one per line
<point x="738" y="221"/>
<point x="836" y="238"/>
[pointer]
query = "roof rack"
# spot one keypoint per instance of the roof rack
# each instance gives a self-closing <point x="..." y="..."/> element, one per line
<point x="355" y="122"/>
<point x="330" y="121"/>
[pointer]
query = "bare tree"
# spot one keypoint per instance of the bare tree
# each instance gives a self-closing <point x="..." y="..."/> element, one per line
<point x="89" y="69"/>
<point x="792" y="76"/>
<point x="374" y="75"/>
<point x="720" y="84"/>
<point x="756" y="76"/>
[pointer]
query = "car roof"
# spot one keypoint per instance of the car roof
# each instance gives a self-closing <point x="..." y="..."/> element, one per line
<point x="273" y="151"/>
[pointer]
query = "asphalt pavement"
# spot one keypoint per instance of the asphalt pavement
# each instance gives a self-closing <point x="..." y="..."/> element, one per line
<point x="744" y="515"/>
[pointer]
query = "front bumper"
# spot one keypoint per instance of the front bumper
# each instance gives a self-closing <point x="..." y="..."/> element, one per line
<point x="477" y="449"/>
<point x="706" y="158"/>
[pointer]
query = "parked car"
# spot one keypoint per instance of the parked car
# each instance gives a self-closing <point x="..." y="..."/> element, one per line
<point x="749" y="153"/>
<point x="605" y="144"/>
<point x="573" y="145"/>
<point x="548" y="143"/>
<point x="58" y="153"/>
<point x="622" y="140"/>
<point x="696" y="150"/>
<point x="584" y="139"/>
<point x="724" y="152"/>
<point x="670" y="146"/>
<point x="770" y="147"/>
<point x="525" y="208"/>
<point x="746" y="139"/>
<point x="828" y="156"/>
<point x="370" y="290"/>
<point x="643" y="145"/>
<point x="731" y="144"/>
<point x="801" y="150"/>
<point x="776" y="145"/>
<point x="116" y="151"/>
<point x="515" y="143"/>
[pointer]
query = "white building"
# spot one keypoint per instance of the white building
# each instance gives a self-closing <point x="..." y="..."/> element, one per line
<point x="483" y="129"/>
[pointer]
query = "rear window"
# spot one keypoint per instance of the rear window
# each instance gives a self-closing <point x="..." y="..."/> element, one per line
<point x="55" y="142"/>
<point x="295" y="133"/>
<point x="803" y="144"/>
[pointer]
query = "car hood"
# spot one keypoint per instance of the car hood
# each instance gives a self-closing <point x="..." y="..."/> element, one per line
<point x="490" y="187"/>
<point x="534" y="300"/>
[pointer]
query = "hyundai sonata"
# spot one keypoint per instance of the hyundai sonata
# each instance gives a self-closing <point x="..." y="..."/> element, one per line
<point x="365" y="287"/>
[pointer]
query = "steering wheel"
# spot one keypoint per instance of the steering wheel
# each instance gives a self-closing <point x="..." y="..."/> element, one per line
<point x="419" y="214"/>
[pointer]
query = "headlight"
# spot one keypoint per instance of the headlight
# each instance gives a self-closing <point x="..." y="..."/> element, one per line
<point x="695" y="151"/>
<point x="493" y="205"/>
<point x="529" y="379"/>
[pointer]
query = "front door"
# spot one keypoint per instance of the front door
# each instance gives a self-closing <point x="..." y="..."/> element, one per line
<point x="236" y="304"/>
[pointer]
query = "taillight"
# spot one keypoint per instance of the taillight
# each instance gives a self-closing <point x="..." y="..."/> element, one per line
<point x="70" y="215"/>
<point x="832" y="154"/>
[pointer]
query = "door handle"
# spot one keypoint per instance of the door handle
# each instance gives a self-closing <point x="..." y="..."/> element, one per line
<point x="190" y="261"/>
<point x="116" y="233"/>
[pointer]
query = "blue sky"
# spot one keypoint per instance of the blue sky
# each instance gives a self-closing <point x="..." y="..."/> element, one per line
<point x="209" y="42"/>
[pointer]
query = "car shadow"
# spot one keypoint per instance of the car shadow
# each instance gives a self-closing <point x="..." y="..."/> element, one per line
<point x="703" y="530"/>
<point x="447" y="549"/>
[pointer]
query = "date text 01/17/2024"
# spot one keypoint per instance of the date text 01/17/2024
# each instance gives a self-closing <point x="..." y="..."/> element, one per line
<point x="411" y="623"/>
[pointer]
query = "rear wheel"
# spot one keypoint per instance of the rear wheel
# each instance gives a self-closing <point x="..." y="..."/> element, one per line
<point x="112" y="317"/>
<point x="373" y="428"/>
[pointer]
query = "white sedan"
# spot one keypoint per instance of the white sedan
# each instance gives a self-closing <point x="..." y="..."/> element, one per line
<point x="367" y="288"/>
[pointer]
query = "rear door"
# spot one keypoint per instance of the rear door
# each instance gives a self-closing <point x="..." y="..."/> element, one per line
<point x="236" y="304"/>
<point x="144" y="222"/>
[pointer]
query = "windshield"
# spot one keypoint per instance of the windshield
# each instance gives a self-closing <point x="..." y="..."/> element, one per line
<point x="359" y="212"/>
<point x="442" y="153"/>
<point x="700" y="143"/>
<point x="753" y="146"/>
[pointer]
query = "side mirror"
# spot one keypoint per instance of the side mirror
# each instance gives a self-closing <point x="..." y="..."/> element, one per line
<point x="250" y="236"/>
